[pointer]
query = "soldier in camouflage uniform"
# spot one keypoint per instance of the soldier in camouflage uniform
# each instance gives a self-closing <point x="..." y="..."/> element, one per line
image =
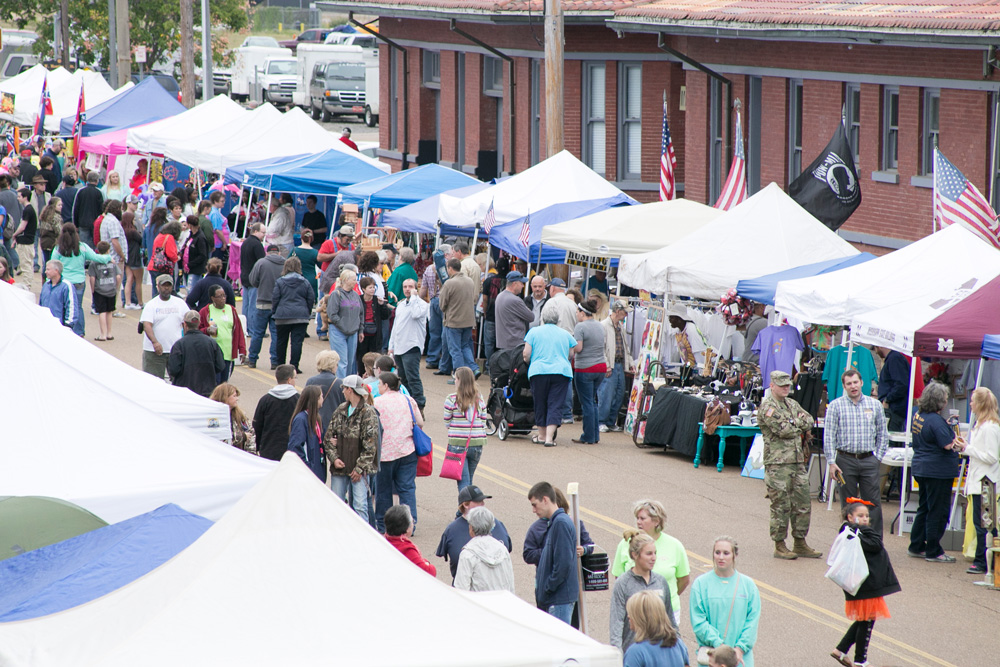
<point x="782" y="423"/>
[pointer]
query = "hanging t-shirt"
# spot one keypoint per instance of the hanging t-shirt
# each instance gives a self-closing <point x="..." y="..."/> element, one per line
<point x="861" y="360"/>
<point x="776" y="346"/>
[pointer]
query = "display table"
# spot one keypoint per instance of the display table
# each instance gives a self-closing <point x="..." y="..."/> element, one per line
<point x="741" y="432"/>
<point x="675" y="416"/>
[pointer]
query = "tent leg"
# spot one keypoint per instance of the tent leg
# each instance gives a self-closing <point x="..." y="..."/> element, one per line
<point x="573" y="491"/>
<point x="909" y="424"/>
<point x="246" y="213"/>
<point x="850" y="353"/>
<point x="475" y="238"/>
<point x="437" y="236"/>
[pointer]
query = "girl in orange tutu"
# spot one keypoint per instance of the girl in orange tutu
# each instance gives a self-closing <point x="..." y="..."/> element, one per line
<point x="869" y="603"/>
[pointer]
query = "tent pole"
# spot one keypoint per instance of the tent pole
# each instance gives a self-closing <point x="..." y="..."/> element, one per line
<point x="909" y="424"/>
<point x="475" y="238"/>
<point x="437" y="236"/>
<point x="850" y="352"/>
<point x="573" y="493"/>
<point x="962" y="470"/>
<point x="267" y="219"/>
<point x="239" y="206"/>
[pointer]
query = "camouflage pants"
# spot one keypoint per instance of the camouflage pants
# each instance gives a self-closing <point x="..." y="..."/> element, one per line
<point x="788" y="489"/>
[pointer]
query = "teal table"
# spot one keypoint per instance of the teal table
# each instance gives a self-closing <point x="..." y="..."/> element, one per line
<point x="724" y="432"/>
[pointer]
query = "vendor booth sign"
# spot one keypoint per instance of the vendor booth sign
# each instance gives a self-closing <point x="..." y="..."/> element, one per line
<point x="649" y="353"/>
<point x="588" y="261"/>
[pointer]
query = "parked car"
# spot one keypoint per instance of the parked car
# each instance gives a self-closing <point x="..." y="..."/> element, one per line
<point x="260" y="40"/>
<point x="337" y="88"/>
<point x="168" y="82"/>
<point x="277" y="80"/>
<point x="311" y="36"/>
<point x="356" y="39"/>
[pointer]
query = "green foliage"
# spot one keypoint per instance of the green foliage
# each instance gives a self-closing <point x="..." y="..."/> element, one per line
<point x="154" y="24"/>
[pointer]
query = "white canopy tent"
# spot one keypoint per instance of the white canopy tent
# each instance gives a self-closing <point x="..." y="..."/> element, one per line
<point x="630" y="229"/>
<point x="213" y="115"/>
<point x="26" y="88"/>
<point x="768" y="232"/>
<point x="269" y="584"/>
<point x="937" y="264"/>
<point x="559" y="180"/>
<point x="188" y="149"/>
<point x="66" y="96"/>
<point x="75" y="439"/>
<point x="21" y="317"/>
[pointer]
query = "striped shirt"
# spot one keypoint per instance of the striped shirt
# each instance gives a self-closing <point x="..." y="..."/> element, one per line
<point x="856" y="428"/>
<point x="430" y="281"/>
<point x="464" y="424"/>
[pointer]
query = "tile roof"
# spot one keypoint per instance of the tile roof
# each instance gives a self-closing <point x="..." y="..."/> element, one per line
<point x="905" y="15"/>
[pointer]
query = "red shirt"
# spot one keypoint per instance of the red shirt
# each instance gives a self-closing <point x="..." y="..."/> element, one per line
<point x="350" y="143"/>
<point x="331" y="247"/>
<point x="410" y="550"/>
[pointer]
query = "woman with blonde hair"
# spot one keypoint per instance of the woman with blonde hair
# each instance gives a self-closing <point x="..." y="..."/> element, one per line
<point x="656" y="641"/>
<point x="725" y="605"/>
<point x="984" y="469"/>
<point x="465" y="416"/>
<point x="113" y="188"/>
<point x="602" y="304"/>
<point x="642" y="550"/>
<point x="671" y="558"/>
<point x="243" y="436"/>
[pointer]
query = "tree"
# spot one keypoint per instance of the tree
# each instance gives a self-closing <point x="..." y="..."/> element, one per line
<point x="155" y="24"/>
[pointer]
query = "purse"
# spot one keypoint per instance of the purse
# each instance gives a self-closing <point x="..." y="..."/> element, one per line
<point x="454" y="463"/>
<point x="425" y="466"/>
<point x="421" y="441"/>
<point x="703" y="651"/>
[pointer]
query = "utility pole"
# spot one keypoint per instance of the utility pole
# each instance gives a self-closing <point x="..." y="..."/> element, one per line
<point x="64" y="31"/>
<point x="187" y="53"/>
<point x="554" y="42"/>
<point x="124" y="43"/>
<point x="112" y="42"/>
<point x="206" y="52"/>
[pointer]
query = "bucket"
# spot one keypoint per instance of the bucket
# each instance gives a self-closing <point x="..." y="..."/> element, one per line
<point x="595" y="571"/>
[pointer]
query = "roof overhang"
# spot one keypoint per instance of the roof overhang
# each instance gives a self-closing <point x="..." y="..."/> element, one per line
<point x="463" y="14"/>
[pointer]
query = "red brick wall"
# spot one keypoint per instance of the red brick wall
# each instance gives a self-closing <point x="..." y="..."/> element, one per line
<point x="448" y="106"/>
<point x="774" y="132"/>
<point x="572" y="109"/>
<point x="696" y="137"/>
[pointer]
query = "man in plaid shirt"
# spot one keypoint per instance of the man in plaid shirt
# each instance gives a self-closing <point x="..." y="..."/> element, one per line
<point x="855" y="439"/>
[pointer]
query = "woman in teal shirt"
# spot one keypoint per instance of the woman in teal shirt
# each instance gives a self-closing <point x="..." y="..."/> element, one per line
<point x="74" y="256"/>
<point x="307" y="255"/>
<point x="725" y="604"/>
<point x="547" y="350"/>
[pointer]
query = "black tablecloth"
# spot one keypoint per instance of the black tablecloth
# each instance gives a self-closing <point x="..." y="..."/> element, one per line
<point x="673" y="419"/>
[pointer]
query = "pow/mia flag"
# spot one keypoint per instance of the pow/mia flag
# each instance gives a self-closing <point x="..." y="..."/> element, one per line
<point x="829" y="187"/>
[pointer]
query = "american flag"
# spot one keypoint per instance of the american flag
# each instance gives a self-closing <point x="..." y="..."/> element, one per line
<point x="11" y="142"/>
<point x="957" y="201"/>
<point x="44" y="107"/>
<point x="668" y="162"/>
<point x="735" y="189"/>
<point x="525" y="236"/>
<point x="490" y="220"/>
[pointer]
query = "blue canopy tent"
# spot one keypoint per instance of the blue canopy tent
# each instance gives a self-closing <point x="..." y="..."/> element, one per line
<point x="506" y="236"/>
<point x="143" y="103"/>
<point x="991" y="346"/>
<point x="83" y="568"/>
<point x="422" y="216"/>
<point x="405" y="187"/>
<point x="320" y="174"/>
<point x="762" y="289"/>
<point x="234" y="174"/>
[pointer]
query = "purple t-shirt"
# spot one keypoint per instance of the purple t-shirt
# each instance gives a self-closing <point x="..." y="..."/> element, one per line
<point x="777" y="347"/>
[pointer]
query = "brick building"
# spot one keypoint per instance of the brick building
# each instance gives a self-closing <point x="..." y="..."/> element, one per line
<point x="905" y="75"/>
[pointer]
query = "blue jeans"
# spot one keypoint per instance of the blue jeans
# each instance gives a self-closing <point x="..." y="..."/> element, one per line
<point x="434" y="345"/>
<point x="587" y="385"/>
<point x="249" y="302"/>
<point x="564" y="612"/>
<point x="193" y="279"/>
<point x="385" y="336"/>
<point x="35" y="266"/>
<point x="471" y="463"/>
<point x="568" y="409"/>
<point x="262" y="320"/>
<point x="459" y="342"/>
<point x="80" y="321"/>
<point x="610" y="395"/>
<point x="400" y="475"/>
<point x="341" y="484"/>
<point x="347" y="347"/>
<point x="15" y="261"/>
<point x="408" y="369"/>
<point x="489" y="340"/>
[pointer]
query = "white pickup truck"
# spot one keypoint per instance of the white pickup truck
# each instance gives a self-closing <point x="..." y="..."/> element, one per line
<point x="308" y="55"/>
<point x="251" y="65"/>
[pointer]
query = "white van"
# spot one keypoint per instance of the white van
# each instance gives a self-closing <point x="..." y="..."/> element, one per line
<point x="310" y="54"/>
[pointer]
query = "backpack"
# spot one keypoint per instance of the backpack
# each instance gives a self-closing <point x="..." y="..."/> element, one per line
<point x="161" y="263"/>
<point x="185" y="255"/>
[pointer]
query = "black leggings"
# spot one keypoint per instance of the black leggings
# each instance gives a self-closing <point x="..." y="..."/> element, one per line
<point x="859" y="634"/>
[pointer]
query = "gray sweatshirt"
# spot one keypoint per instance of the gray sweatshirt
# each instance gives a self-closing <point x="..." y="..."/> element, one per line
<point x="484" y="566"/>
<point x="263" y="276"/>
<point x="344" y="310"/>
<point x="626" y="586"/>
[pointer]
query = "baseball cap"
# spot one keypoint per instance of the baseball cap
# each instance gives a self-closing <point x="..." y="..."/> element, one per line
<point x="516" y="277"/>
<point x="191" y="315"/>
<point x="471" y="493"/>
<point x="781" y="378"/>
<point x="356" y="383"/>
<point x="164" y="278"/>
<point x="621" y="305"/>
<point x="557" y="282"/>
<point x="346" y="230"/>
<point x="156" y="185"/>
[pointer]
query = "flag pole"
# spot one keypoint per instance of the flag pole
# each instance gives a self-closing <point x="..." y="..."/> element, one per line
<point x="934" y="195"/>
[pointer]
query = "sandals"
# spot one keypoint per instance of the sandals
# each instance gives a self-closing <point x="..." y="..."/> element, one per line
<point x="842" y="659"/>
<point x="537" y="441"/>
<point x="100" y="339"/>
<point x="110" y="338"/>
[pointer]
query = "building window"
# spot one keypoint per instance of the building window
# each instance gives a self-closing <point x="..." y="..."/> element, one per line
<point x="852" y="109"/>
<point x="460" y="110"/>
<point x="754" y="109"/>
<point x="890" y="128"/>
<point x="593" y="116"/>
<point x="432" y="69"/>
<point x="393" y="100"/>
<point x="492" y="76"/>
<point x="929" y="140"/>
<point x="630" y="122"/>
<point x="716" y="130"/>
<point x="536" y="110"/>
<point x="794" y="129"/>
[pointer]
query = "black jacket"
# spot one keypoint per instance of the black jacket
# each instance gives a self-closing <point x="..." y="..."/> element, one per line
<point x="194" y="362"/>
<point x="881" y="579"/>
<point x="51" y="180"/>
<point x="199" y="297"/>
<point x="292" y="298"/>
<point x="251" y="251"/>
<point x="28" y="172"/>
<point x="333" y="395"/>
<point x="271" y="422"/>
<point x="68" y="195"/>
<point x="198" y="252"/>
<point x="88" y="205"/>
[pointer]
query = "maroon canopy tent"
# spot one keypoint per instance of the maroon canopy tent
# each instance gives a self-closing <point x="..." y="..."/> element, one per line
<point x="958" y="332"/>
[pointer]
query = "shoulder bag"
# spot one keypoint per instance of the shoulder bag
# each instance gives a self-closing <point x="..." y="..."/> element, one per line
<point x="421" y="441"/>
<point x="704" y="651"/>
<point x="454" y="463"/>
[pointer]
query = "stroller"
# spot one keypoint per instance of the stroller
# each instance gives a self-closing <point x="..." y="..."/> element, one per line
<point x="510" y="408"/>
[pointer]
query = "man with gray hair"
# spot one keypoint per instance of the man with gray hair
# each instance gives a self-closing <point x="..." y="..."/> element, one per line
<point x="484" y="564"/>
<point x="196" y="359"/>
<point x="406" y="342"/>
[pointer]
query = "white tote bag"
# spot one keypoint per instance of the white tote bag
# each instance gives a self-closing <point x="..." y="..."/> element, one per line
<point x="848" y="568"/>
